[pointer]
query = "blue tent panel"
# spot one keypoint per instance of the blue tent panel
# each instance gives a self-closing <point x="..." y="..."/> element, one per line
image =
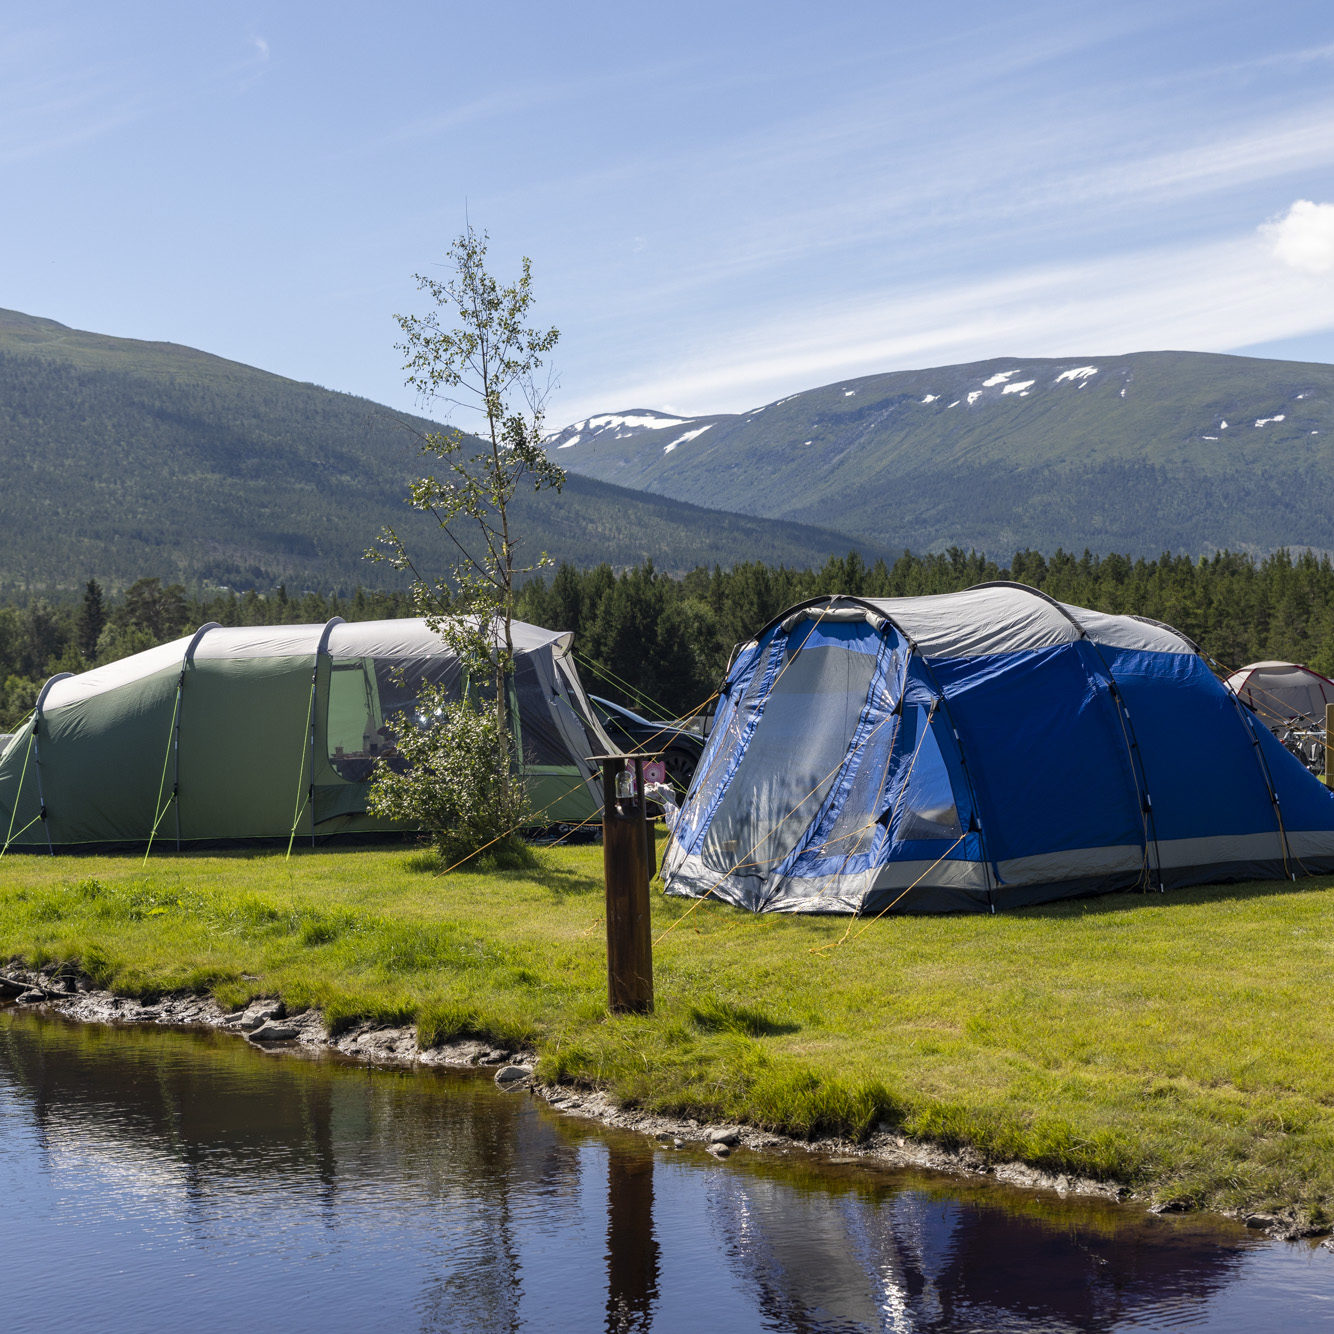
<point x="982" y="750"/>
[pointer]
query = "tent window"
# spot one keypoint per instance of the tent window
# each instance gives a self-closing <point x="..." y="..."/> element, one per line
<point x="793" y="758"/>
<point x="725" y="732"/>
<point x="927" y="809"/>
<point x="854" y="833"/>
<point x="354" y="723"/>
<point x="541" y="740"/>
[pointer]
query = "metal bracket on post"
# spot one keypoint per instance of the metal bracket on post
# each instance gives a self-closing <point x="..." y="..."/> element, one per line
<point x="628" y="865"/>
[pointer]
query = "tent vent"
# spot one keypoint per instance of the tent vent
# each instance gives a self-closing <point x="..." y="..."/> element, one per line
<point x="844" y="615"/>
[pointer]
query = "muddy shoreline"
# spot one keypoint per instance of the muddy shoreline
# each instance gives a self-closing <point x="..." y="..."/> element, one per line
<point x="266" y="1024"/>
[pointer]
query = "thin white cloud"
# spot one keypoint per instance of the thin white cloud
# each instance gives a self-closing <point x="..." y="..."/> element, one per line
<point x="1213" y="297"/>
<point x="1309" y="55"/>
<point x="861" y="191"/>
<point x="1303" y="237"/>
<point x="261" y="46"/>
<point x="1280" y="147"/>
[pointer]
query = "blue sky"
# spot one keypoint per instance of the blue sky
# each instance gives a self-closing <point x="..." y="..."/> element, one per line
<point x="723" y="202"/>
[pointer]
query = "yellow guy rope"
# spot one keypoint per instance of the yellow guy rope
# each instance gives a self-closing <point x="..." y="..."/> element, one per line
<point x="18" y="792"/>
<point x="745" y="860"/>
<point x="903" y="788"/>
<point x="820" y="949"/>
<point x="583" y="782"/>
<point x="158" y="807"/>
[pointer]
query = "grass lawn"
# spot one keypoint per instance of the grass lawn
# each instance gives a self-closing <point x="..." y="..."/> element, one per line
<point x="1179" y="1043"/>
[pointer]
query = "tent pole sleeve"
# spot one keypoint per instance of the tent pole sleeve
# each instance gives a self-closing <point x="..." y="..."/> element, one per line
<point x="176" y="759"/>
<point x="1250" y="722"/>
<point x="308" y="749"/>
<point x="158" y="809"/>
<point x="1148" y="821"/>
<point x="302" y="795"/>
<point x="187" y="662"/>
<point x="37" y="755"/>
<point x="987" y="865"/>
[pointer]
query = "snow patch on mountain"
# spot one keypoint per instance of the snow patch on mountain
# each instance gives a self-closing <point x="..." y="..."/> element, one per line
<point x="930" y="398"/>
<point x="1079" y="373"/>
<point x="1020" y="387"/>
<point x="688" y="436"/>
<point x="999" y="378"/>
<point x="1264" y="421"/>
<point x="614" y="426"/>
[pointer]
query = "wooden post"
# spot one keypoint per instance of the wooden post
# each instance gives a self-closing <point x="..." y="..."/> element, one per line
<point x="1329" y="745"/>
<point x="627" y="868"/>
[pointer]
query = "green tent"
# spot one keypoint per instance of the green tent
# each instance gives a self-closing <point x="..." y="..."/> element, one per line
<point x="269" y="731"/>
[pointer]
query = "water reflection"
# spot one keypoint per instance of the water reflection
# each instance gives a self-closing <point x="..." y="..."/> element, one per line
<point x="189" y="1173"/>
<point x="632" y="1247"/>
<point x="899" y="1257"/>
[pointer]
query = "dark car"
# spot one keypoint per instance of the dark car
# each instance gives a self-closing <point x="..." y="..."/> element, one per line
<point x="679" y="747"/>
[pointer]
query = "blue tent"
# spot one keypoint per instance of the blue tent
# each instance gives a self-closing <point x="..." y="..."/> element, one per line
<point x="983" y="750"/>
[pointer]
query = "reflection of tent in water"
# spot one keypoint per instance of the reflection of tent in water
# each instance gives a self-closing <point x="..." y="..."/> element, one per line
<point x="1282" y="691"/>
<point x="879" y="1256"/>
<point x="983" y="749"/>
<point x="265" y="731"/>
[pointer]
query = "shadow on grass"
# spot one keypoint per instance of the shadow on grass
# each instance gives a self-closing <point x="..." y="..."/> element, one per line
<point x="1188" y="896"/>
<point x="563" y="883"/>
<point x="719" y="1016"/>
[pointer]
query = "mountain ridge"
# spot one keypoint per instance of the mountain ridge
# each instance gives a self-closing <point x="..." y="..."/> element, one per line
<point x="1136" y="453"/>
<point x="125" y="457"/>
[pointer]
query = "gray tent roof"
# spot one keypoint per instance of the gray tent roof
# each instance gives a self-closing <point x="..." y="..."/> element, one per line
<point x="999" y="618"/>
<point x="402" y="639"/>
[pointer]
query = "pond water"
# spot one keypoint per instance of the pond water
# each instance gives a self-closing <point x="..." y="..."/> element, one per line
<point x="162" y="1180"/>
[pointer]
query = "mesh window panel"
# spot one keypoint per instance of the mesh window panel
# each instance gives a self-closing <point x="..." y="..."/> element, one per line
<point x="729" y="724"/>
<point x="855" y="831"/>
<point x="927" y="809"/>
<point x="542" y="743"/>
<point x="352" y="724"/>
<point x="792" y="760"/>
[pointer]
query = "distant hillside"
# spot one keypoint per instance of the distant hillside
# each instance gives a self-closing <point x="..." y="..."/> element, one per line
<point x="122" y="458"/>
<point x="1153" y="451"/>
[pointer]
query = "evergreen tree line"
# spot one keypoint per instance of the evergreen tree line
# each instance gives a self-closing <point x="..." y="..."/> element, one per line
<point x="662" y="643"/>
<point x="671" y="639"/>
<point x="41" y="638"/>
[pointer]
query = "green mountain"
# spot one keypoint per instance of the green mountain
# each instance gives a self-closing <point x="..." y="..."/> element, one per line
<point x="1154" y="451"/>
<point x="121" y="458"/>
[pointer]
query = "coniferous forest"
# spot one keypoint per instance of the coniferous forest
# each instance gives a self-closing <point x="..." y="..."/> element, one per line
<point x="662" y="643"/>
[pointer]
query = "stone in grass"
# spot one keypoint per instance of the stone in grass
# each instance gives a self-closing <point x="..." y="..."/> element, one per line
<point x="511" y="1076"/>
<point x="728" y="1135"/>
<point x="1261" y="1220"/>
